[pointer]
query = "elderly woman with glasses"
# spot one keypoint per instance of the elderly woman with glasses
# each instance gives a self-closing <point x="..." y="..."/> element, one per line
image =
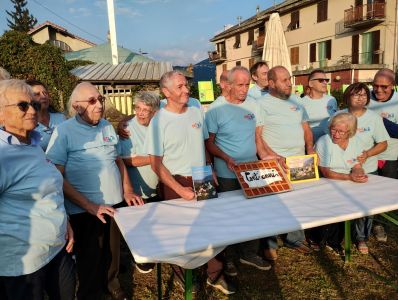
<point x="84" y="149"/>
<point x="48" y="117"/>
<point x="34" y="228"/>
<point x="371" y="131"/>
<point x="319" y="106"/>
<point x="339" y="153"/>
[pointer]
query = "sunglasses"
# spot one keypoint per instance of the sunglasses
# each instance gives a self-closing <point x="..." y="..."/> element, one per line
<point x="377" y="86"/>
<point x="321" y="80"/>
<point x="24" y="105"/>
<point x="94" y="100"/>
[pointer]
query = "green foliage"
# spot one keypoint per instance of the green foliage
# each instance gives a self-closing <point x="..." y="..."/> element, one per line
<point x="21" y="19"/>
<point x="338" y="94"/>
<point x="26" y="60"/>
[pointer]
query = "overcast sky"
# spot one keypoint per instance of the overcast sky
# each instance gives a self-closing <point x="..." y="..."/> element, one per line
<point x="169" y="30"/>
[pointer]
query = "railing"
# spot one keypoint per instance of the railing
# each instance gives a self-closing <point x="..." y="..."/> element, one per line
<point x="215" y="56"/>
<point x="366" y="13"/>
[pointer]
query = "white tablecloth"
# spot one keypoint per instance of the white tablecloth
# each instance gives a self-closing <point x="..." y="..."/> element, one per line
<point x="189" y="233"/>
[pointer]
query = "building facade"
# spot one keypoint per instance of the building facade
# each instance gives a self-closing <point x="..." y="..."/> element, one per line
<point x="349" y="39"/>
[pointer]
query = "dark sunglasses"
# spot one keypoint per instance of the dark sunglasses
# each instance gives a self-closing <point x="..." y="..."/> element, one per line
<point x="94" y="100"/>
<point x="321" y="80"/>
<point x="384" y="87"/>
<point x="24" y="105"/>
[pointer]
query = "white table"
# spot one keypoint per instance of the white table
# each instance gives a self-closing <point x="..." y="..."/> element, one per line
<point x="189" y="233"/>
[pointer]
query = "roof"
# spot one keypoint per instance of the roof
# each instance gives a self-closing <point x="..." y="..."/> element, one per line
<point x="127" y="73"/>
<point x="103" y="54"/>
<point x="59" y="29"/>
<point x="261" y="17"/>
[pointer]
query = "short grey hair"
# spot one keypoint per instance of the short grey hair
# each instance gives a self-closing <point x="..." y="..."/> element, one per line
<point x="4" y="75"/>
<point x="15" y="85"/>
<point x="150" y="99"/>
<point x="349" y="119"/>
<point x="167" y="78"/>
<point x="231" y="73"/>
<point x="74" y="96"/>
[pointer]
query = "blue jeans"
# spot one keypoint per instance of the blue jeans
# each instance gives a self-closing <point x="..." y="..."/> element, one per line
<point x="291" y="239"/>
<point x="57" y="279"/>
<point x="362" y="228"/>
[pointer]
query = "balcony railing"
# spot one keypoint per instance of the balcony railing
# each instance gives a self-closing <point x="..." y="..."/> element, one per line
<point x="217" y="57"/>
<point x="365" y="15"/>
<point x="258" y="44"/>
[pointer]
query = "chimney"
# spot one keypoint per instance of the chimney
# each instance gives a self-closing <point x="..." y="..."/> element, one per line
<point x="239" y="19"/>
<point x="257" y="9"/>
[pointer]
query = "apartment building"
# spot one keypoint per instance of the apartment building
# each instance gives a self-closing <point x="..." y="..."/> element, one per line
<point x="349" y="39"/>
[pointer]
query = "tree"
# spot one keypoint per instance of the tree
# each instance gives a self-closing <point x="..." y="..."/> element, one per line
<point x="21" y="20"/>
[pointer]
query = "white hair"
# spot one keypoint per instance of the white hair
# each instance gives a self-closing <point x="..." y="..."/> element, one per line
<point x="15" y="85"/>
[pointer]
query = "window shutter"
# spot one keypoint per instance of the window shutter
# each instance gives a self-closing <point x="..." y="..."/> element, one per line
<point x="251" y="37"/>
<point x="376" y="47"/>
<point x="294" y="56"/>
<point x="322" y="11"/>
<point x="329" y="49"/>
<point x="355" y="49"/>
<point x="313" y="52"/>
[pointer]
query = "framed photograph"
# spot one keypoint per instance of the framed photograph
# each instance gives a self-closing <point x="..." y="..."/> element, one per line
<point x="260" y="178"/>
<point x="302" y="168"/>
<point x="203" y="183"/>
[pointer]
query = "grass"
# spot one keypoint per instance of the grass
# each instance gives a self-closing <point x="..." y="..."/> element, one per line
<point x="321" y="275"/>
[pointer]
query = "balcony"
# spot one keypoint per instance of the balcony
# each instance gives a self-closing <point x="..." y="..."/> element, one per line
<point x="365" y="15"/>
<point x="258" y="45"/>
<point x="217" y="57"/>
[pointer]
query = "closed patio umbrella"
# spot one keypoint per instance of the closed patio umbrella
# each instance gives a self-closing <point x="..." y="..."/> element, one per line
<point x="275" y="51"/>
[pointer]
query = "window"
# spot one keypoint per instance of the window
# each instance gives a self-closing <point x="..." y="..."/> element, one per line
<point x="322" y="11"/>
<point x="355" y="49"/>
<point x="324" y="52"/>
<point x="371" y="48"/>
<point x="224" y="67"/>
<point x="261" y="30"/>
<point x="251" y="62"/>
<point x="250" y="39"/>
<point x="238" y="63"/>
<point x="312" y="52"/>
<point x="294" y="55"/>
<point x="294" y="20"/>
<point x="237" y="41"/>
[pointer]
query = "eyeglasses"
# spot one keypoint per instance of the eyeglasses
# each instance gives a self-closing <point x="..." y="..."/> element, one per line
<point x="377" y="86"/>
<point x="357" y="96"/>
<point x="340" y="132"/>
<point x="321" y="80"/>
<point x="144" y="111"/>
<point x="94" y="100"/>
<point x="24" y="105"/>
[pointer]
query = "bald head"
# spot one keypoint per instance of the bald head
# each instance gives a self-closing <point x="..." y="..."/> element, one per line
<point x="279" y="83"/>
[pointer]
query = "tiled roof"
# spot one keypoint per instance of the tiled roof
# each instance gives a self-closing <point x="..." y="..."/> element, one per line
<point x="60" y="29"/>
<point x="128" y="73"/>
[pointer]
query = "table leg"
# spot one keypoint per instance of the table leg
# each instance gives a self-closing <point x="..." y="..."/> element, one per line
<point x="391" y="218"/>
<point x="188" y="284"/>
<point x="159" y="275"/>
<point x="347" y="241"/>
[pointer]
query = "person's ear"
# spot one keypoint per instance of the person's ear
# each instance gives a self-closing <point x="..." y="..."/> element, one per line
<point x="166" y="92"/>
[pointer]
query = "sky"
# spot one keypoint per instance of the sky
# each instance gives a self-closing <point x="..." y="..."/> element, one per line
<point x="167" y="30"/>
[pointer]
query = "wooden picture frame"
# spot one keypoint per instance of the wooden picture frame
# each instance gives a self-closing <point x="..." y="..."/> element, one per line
<point x="302" y="168"/>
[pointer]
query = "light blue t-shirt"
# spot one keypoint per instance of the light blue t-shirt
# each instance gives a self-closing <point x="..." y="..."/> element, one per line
<point x="388" y="110"/>
<point x="319" y="111"/>
<point x="46" y="132"/>
<point x="179" y="138"/>
<point x="256" y="93"/>
<point x="335" y="158"/>
<point x="235" y="127"/>
<point x="143" y="179"/>
<point x="283" y="125"/>
<point x="88" y="154"/>
<point x="32" y="214"/>
<point x="370" y="130"/>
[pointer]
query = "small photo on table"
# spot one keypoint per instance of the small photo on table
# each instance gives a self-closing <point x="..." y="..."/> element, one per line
<point x="302" y="168"/>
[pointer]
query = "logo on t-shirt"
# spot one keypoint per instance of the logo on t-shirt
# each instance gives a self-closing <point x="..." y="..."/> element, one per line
<point x="363" y="129"/>
<point x="249" y="116"/>
<point x="295" y="108"/>
<point x="331" y="108"/>
<point x="109" y="139"/>
<point x="352" y="161"/>
<point x="197" y="125"/>
<point x="387" y="115"/>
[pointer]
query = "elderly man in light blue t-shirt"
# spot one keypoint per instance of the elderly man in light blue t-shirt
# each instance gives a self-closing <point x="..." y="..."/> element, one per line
<point x="235" y="128"/>
<point x="175" y="144"/>
<point x="287" y="133"/>
<point x="95" y="182"/>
